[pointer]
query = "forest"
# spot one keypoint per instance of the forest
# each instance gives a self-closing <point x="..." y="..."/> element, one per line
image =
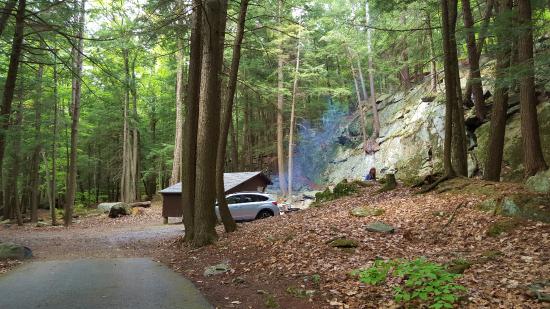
<point x="101" y="98"/>
<point x="113" y="101"/>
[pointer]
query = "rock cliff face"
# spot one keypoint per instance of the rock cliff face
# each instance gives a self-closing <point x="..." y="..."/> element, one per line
<point x="411" y="139"/>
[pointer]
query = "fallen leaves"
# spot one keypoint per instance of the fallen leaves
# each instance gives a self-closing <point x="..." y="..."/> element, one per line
<point x="296" y="246"/>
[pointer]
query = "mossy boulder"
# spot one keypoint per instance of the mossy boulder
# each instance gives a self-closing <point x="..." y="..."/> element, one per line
<point x="10" y="250"/>
<point x="519" y="205"/>
<point x="366" y="211"/>
<point x="540" y="182"/>
<point x="513" y="169"/>
<point x="380" y="227"/>
<point x="344" y="243"/>
<point x="503" y="226"/>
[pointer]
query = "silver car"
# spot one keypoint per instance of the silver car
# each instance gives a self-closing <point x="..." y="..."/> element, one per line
<point x="245" y="206"/>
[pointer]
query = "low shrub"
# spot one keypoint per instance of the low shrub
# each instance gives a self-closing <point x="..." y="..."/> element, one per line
<point x="420" y="281"/>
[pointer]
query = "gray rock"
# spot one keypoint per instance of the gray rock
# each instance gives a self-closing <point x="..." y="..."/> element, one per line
<point x="216" y="269"/>
<point x="380" y="227"/>
<point x="540" y="182"/>
<point x="106" y="207"/>
<point x="540" y="291"/>
<point x="41" y="224"/>
<point x="10" y="250"/>
<point x="120" y="210"/>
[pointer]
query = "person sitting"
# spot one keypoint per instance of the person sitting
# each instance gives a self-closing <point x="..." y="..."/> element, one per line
<point x="371" y="176"/>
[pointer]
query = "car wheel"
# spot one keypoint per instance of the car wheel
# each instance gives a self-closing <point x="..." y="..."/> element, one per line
<point x="264" y="214"/>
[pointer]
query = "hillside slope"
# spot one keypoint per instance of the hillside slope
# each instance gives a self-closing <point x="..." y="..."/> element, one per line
<point x="287" y="261"/>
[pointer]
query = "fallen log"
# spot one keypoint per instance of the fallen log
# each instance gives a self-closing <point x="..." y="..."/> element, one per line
<point x="145" y="204"/>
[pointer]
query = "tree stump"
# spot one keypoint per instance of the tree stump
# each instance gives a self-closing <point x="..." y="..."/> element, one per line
<point x="389" y="184"/>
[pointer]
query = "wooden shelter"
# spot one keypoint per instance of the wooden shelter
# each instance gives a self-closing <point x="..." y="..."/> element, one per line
<point x="233" y="182"/>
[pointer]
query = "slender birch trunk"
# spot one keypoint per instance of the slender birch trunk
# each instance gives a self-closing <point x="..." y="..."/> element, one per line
<point x="293" y="120"/>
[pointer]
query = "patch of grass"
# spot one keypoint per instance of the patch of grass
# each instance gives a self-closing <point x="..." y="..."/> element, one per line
<point x="296" y="292"/>
<point x="458" y="266"/>
<point x="503" y="226"/>
<point x="270" y="301"/>
<point x="490" y="255"/>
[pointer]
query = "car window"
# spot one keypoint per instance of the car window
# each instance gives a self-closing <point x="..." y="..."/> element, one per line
<point x="256" y="198"/>
<point x="235" y="199"/>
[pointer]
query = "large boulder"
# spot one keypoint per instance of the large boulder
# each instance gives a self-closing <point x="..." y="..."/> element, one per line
<point x="120" y="210"/>
<point x="540" y="182"/>
<point x="10" y="250"/>
<point x="106" y="207"/>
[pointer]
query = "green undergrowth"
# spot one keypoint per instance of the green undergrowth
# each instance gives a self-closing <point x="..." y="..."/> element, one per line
<point x="419" y="282"/>
<point x="343" y="188"/>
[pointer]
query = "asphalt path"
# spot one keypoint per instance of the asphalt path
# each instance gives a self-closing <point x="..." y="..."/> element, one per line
<point x="136" y="283"/>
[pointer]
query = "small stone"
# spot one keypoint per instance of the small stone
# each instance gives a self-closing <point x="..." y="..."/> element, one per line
<point x="216" y="269"/>
<point x="239" y="280"/>
<point x="380" y="227"/>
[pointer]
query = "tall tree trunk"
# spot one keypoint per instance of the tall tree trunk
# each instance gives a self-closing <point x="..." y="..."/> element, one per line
<point x="6" y="13"/>
<point x="191" y="123"/>
<point x="360" y="91"/>
<point x="12" y="196"/>
<point x="533" y="158"/>
<point x="493" y="163"/>
<point x="293" y="120"/>
<point x="124" y="177"/>
<point x="405" y="72"/>
<point x="481" y="40"/>
<point x="459" y="156"/>
<point x="246" y="132"/>
<point x="450" y="91"/>
<point x="11" y="78"/>
<point x="474" y="74"/>
<point x="433" y="59"/>
<point x="75" y="115"/>
<point x="280" y="109"/>
<point x="176" y="165"/>
<point x="215" y="12"/>
<point x="134" y="192"/>
<point x="35" y="169"/>
<point x="226" y="120"/>
<point x="375" y="117"/>
<point x="53" y="184"/>
<point x="234" y="146"/>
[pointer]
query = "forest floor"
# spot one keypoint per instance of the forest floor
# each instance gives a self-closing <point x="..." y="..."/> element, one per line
<point x="287" y="262"/>
<point x="94" y="236"/>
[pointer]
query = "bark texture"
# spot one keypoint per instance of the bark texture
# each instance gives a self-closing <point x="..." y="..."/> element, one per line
<point x="11" y="78"/>
<point x="227" y="112"/>
<point x="215" y="12"/>
<point x="493" y="164"/>
<point x="75" y="115"/>
<point x="533" y="159"/>
<point x="474" y="72"/>
<point x="191" y="123"/>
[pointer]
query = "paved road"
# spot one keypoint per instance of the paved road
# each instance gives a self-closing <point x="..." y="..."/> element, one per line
<point x="135" y="283"/>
